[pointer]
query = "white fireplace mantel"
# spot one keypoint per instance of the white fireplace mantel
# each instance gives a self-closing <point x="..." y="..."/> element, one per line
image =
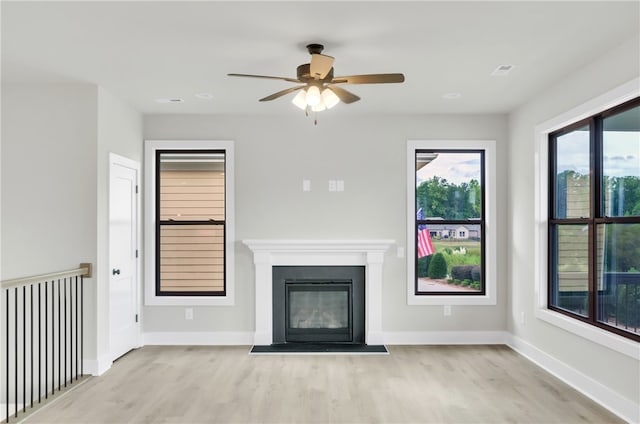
<point x="269" y="253"/>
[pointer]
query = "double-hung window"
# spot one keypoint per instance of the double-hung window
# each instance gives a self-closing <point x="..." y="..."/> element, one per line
<point x="451" y="215"/>
<point x="594" y="220"/>
<point x="190" y="222"/>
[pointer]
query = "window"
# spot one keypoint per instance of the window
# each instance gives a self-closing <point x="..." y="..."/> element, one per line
<point x="594" y="220"/>
<point x="190" y="230"/>
<point x="450" y="259"/>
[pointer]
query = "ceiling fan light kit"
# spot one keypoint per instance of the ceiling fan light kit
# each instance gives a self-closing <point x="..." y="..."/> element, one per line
<point x="319" y="89"/>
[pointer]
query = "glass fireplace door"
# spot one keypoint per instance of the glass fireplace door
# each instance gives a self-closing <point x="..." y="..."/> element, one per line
<point x="318" y="312"/>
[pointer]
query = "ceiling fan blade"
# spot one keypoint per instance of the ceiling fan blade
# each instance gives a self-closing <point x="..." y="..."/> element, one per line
<point x="281" y="93"/>
<point x="265" y="77"/>
<point x="344" y="95"/>
<point x="369" y="79"/>
<point x="320" y="65"/>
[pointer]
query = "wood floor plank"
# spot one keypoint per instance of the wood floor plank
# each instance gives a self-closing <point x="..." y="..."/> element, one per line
<point x="414" y="384"/>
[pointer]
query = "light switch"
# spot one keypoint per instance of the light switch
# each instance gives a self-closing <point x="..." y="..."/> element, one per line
<point x="306" y="185"/>
<point x="340" y="185"/>
<point x="332" y="185"/>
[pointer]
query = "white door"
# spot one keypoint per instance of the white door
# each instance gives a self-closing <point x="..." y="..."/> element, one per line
<point x="123" y="245"/>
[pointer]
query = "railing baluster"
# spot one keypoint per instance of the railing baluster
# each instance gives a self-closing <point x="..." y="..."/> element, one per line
<point x="15" y="305"/>
<point x="39" y="344"/>
<point x="65" y="332"/>
<point x="70" y="331"/>
<point x="59" y="341"/>
<point x="31" y="312"/>
<point x="81" y="325"/>
<point x="77" y="338"/>
<point x="46" y="338"/>
<point x="24" y="348"/>
<point x="7" y="351"/>
<point x="53" y="337"/>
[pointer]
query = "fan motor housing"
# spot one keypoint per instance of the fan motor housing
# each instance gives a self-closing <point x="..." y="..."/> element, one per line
<point x="304" y="73"/>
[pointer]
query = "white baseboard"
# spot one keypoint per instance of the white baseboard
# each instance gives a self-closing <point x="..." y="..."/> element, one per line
<point x="209" y="338"/>
<point x="97" y="366"/>
<point x="619" y="405"/>
<point x="445" y="337"/>
<point x="394" y="337"/>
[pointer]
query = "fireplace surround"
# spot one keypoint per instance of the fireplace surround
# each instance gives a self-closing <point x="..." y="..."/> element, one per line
<point x="268" y="254"/>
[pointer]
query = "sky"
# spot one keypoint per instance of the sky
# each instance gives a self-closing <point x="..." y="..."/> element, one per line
<point x="454" y="167"/>
<point x="621" y="153"/>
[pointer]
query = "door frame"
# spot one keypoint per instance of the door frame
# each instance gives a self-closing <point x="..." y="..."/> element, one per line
<point x="115" y="159"/>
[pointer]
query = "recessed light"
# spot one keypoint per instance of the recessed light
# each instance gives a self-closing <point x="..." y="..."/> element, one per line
<point x="170" y="100"/>
<point x="451" y="96"/>
<point x="502" y="70"/>
<point x="204" y="96"/>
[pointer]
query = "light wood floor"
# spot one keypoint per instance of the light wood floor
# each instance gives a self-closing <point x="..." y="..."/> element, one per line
<point x="414" y="384"/>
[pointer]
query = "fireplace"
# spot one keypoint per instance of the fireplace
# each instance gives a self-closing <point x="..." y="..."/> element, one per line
<point x="324" y="304"/>
<point x="270" y="254"/>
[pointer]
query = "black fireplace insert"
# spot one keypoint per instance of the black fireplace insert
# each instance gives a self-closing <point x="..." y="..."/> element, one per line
<point x="314" y="304"/>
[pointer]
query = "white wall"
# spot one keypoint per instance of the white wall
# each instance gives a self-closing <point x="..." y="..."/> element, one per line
<point x="119" y="131"/>
<point x="49" y="182"/>
<point x="55" y="145"/>
<point x="274" y="155"/>
<point x="617" y="372"/>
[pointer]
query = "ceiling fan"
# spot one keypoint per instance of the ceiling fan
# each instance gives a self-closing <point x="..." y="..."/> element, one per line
<point x="319" y="89"/>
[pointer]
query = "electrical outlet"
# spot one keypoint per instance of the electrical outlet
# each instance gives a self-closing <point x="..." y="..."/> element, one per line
<point x="188" y="313"/>
<point x="332" y="185"/>
<point x="340" y="185"/>
<point x="447" y="310"/>
<point x="400" y="252"/>
<point x="306" y="185"/>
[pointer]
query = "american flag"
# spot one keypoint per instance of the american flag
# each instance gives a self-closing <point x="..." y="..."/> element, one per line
<point x="425" y="247"/>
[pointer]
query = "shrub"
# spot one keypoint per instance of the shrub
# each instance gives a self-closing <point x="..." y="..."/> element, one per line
<point x="475" y="285"/>
<point x="467" y="283"/>
<point x="461" y="272"/>
<point x="423" y="266"/>
<point x="437" y="266"/>
<point x="476" y="274"/>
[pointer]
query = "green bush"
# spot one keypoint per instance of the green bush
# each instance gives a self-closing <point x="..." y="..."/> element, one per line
<point x="437" y="266"/>
<point x="466" y="283"/>
<point x="461" y="272"/>
<point x="423" y="266"/>
<point x="476" y="274"/>
<point x="475" y="285"/>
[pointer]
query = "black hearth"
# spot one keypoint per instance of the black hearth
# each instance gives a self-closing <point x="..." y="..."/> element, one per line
<point x="318" y="304"/>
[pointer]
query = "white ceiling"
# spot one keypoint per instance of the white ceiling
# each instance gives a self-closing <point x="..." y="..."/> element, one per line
<point x="140" y="51"/>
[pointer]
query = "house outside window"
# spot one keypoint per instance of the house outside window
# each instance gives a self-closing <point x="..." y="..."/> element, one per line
<point x="189" y="225"/>
<point x="594" y="220"/>
<point x="451" y="230"/>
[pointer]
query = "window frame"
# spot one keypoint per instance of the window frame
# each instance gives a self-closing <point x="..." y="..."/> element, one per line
<point x="489" y="238"/>
<point x="596" y="214"/>
<point x="160" y="223"/>
<point x="152" y="147"/>
<point x="608" y="100"/>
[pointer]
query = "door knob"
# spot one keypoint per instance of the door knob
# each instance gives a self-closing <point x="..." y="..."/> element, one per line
<point x="115" y="271"/>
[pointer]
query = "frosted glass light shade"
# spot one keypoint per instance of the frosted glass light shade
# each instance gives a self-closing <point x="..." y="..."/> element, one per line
<point x="329" y="98"/>
<point x="319" y="107"/>
<point x="313" y="96"/>
<point x="300" y="100"/>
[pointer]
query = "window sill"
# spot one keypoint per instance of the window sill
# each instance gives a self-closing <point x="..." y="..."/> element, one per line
<point x="594" y="334"/>
<point x="151" y="300"/>
<point x="440" y="300"/>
